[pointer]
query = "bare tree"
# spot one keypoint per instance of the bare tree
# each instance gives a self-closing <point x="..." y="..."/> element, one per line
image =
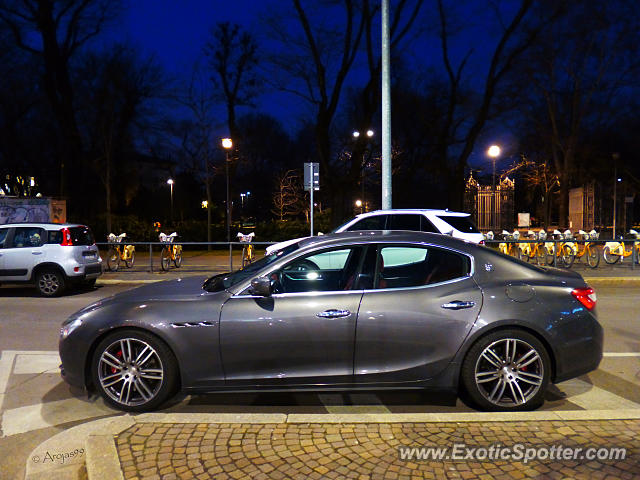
<point x="287" y="198"/>
<point x="519" y="34"/>
<point x="577" y="74"/>
<point x="54" y="31"/>
<point x="316" y="60"/>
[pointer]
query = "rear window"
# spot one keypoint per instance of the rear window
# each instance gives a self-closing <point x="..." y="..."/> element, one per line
<point x="462" y="224"/>
<point x="3" y="236"/>
<point x="376" y="222"/>
<point x="81" y="236"/>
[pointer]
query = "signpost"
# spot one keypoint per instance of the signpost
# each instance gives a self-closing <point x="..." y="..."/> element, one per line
<point x="311" y="183"/>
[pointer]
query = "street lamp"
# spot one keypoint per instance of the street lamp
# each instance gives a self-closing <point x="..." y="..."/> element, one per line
<point x="359" y="204"/>
<point x="227" y="144"/>
<point x="494" y="153"/>
<point x="205" y="204"/>
<point x="356" y="134"/>
<point x="171" y="182"/>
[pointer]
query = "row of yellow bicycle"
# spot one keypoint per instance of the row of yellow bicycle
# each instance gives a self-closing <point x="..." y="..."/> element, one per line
<point x="117" y="253"/>
<point x="564" y="248"/>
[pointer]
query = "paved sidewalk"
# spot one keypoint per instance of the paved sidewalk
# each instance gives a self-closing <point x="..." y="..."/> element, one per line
<point x="369" y="450"/>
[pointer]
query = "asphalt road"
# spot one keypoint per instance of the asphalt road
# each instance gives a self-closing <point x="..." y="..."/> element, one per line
<point x="35" y="403"/>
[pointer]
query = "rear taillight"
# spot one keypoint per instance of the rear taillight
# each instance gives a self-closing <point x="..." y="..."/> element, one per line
<point x="586" y="296"/>
<point x="66" y="238"/>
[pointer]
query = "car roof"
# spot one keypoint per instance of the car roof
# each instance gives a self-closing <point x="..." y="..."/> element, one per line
<point x="424" y="211"/>
<point x="42" y="224"/>
<point x="371" y="236"/>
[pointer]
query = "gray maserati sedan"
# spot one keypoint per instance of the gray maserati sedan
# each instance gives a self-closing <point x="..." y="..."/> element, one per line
<point x="355" y="310"/>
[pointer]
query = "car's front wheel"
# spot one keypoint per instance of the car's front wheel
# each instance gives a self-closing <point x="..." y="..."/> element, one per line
<point x="507" y="370"/>
<point x="134" y="371"/>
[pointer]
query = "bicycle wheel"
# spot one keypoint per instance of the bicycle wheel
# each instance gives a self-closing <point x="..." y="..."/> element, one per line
<point x="567" y="256"/>
<point x="131" y="260"/>
<point x="165" y="258"/>
<point x="541" y="254"/>
<point x="609" y="257"/>
<point x="113" y="260"/>
<point x="177" y="259"/>
<point x="593" y="256"/>
<point x="550" y="253"/>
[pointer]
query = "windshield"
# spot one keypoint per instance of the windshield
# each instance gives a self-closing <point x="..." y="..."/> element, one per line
<point x="223" y="281"/>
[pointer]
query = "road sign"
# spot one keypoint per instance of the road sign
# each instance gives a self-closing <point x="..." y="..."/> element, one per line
<point x="311" y="170"/>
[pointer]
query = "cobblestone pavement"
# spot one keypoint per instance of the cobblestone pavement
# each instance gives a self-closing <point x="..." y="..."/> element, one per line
<point x="368" y="450"/>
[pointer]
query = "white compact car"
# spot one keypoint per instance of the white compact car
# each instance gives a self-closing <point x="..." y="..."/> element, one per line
<point x="53" y="256"/>
<point x="455" y="224"/>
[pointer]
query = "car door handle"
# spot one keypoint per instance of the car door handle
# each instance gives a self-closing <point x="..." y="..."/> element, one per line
<point x="36" y="253"/>
<point x="458" y="305"/>
<point x="333" y="313"/>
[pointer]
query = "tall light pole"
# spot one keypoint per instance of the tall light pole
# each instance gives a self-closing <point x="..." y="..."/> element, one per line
<point x="615" y="192"/>
<point x="171" y="182"/>
<point x="386" y="109"/>
<point x="227" y="144"/>
<point x="494" y="153"/>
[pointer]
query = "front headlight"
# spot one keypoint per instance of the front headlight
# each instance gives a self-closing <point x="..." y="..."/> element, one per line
<point x="66" y="330"/>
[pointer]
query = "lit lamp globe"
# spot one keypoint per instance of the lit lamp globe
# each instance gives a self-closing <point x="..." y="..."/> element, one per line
<point x="494" y="151"/>
<point x="227" y="143"/>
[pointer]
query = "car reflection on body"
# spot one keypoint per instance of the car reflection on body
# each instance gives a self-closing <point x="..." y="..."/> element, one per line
<point x="347" y="311"/>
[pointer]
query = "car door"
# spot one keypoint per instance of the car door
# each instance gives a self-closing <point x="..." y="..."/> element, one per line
<point x="304" y="332"/>
<point x="23" y="252"/>
<point x="411" y="323"/>
<point x="4" y="237"/>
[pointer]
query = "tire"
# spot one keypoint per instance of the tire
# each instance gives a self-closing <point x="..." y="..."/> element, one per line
<point x="502" y="384"/>
<point x="178" y="260"/>
<point x="165" y="259"/>
<point x="128" y="382"/>
<point x="567" y="256"/>
<point x="609" y="257"/>
<point x="50" y="283"/>
<point x="130" y="261"/>
<point x="550" y="252"/>
<point x="541" y="255"/>
<point x="593" y="256"/>
<point x="113" y="260"/>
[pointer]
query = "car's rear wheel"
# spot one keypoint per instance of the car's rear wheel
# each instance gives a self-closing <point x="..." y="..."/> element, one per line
<point x="507" y="370"/>
<point x="134" y="371"/>
<point x="50" y="283"/>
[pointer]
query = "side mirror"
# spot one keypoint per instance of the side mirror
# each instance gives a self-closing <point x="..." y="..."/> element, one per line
<point x="261" y="286"/>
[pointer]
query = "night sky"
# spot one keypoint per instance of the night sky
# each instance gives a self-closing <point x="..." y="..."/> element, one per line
<point x="175" y="33"/>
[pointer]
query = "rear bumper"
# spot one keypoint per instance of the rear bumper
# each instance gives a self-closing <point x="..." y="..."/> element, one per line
<point x="580" y="354"/>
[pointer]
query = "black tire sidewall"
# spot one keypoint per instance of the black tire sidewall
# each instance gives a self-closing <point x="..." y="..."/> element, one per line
<point x="467" y="372"/>
<point x="169" y="364"/>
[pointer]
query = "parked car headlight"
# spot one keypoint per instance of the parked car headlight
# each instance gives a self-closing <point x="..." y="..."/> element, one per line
<point x="66" y="329"/>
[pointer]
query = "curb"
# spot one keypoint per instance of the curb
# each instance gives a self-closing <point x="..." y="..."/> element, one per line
<point x="101" y="459"/>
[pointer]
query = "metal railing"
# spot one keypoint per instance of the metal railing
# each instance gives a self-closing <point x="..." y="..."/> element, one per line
<point x="151" y="245"/>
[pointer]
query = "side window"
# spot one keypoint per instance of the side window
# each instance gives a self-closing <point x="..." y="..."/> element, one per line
<point x="427" y="226"/>
<point x="330" y="270"/>
<point x="3" y="236"/>
<point x="376" y="222"/>
<point x="402" y="267"/>
<point x="27" y="237"/>
<point x="404" y="222"/>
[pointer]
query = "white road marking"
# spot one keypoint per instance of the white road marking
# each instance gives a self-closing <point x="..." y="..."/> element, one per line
<point x="26" y="364"/>
<point x="590" y="397"/>
<point x="621" y="354"/>
<point x="35" y="417"/>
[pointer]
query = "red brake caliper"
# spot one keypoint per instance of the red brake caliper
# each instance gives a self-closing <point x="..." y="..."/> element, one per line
<point x="119" y="355"/>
